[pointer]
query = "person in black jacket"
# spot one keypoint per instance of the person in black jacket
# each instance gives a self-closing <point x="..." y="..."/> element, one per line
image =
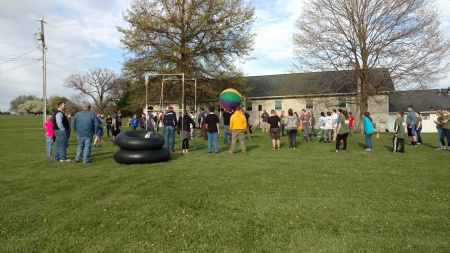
<point x="61" y="126"/>
<point x="184" y="126"/>
<point x="170" y="122"/>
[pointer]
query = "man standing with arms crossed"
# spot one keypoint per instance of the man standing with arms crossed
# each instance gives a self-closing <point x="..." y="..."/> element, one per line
<point x="61" y="126"/>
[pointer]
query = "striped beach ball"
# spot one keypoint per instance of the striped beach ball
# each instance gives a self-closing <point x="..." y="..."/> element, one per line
<point x="230" y="98"/>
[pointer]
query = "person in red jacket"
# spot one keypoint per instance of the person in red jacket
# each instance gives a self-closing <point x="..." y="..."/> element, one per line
<point x="351" y="122"/>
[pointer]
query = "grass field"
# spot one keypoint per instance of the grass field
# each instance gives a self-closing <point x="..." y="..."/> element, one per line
<point x="303" y="200"/>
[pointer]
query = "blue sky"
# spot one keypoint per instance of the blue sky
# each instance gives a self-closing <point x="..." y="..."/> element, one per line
<point x="81" y="35"/>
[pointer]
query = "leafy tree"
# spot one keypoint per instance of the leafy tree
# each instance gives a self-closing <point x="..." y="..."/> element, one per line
<point x="402" y="36"/>
<point x="102" y="85"/>
<point x="15" y="103"/>
<point x="53" y="102"/>
<point x="200" y="38"/>
<point x="126" y="106"/>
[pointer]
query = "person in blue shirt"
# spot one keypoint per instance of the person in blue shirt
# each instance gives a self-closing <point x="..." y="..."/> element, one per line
<point x="368" y="130"/>
<point x="134" y="122"/>
<point x="84" y="124"/>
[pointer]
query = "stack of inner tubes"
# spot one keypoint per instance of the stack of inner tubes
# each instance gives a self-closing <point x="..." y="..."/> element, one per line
<point x="140" y="147"/>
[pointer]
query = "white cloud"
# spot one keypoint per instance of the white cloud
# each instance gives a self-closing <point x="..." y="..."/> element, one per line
<point x="79" y="35"/>
<point x="274" y="27"/>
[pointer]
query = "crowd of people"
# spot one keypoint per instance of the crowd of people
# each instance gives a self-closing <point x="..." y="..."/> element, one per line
<point x="334" y="125"/>
<point x="87" y="127"/>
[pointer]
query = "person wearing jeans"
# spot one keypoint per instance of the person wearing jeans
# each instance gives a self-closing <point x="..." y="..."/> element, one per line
<point x="170" y="137"/>
<point x="282" y="124"/>
<point x="84" y="147"/>
<point x="49" y="134"/>
<point x="418" y="127"/>
<point x="49" y="146"/>
<point x="368" y="130"/>
<point x="61" y="126"/>
<point x="84" y="124"/>
<point x="212" y="129"/>
<point x="170" y="121"/>
<point x="226" y="126"/>
<point x="439" y="123"/>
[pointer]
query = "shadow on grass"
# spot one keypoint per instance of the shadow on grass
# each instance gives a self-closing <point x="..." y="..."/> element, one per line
<point x="362" y="145"/>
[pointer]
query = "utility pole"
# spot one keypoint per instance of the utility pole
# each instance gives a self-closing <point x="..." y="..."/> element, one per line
<point x="40" y="36"/>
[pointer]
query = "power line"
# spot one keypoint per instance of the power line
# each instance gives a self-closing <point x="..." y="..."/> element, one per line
<point x="19" y="56"/>
<point x="15" y="43"/>
<point x="71" y="57"/>
<point x="17" y="18"/>
<point x="21" y="59"/>
<point x="4" y="71"/>
<point x="64" y="68"/>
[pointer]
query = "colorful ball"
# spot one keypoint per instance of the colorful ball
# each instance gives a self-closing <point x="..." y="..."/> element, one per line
<point x="230" y="98"/>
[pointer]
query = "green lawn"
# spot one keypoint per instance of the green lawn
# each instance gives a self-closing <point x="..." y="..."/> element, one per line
<point x="303" y="200"/>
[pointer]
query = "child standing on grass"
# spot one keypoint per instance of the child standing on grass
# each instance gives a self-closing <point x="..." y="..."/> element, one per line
<point x="49" y="135"/>
<point x="368" y="130"/>
<point x="134" y="122"/>
<point x="99" y="131"/>
<point x="399" y="130"/>
<point x="321" y="126"/>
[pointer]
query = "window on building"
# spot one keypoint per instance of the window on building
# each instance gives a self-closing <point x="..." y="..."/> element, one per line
<point x="278" y="105"/>
<point x="249" y="105"/>
<point x="309" y="104"/>
<point x="342" y="102"/>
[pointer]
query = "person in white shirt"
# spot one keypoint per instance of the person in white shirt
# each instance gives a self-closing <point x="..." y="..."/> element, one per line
<point x="335" y="117"/>
<point x="328" y="127"/>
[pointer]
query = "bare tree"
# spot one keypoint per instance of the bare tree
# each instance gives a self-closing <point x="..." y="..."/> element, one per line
<point x="102" y="85"/>
<point x="201" y="39"/>
<point x="355" y="37"/>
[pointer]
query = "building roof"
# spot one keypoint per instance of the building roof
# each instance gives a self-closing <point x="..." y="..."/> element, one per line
<point x="313" y="83"/>
<point x="421" y="100"/>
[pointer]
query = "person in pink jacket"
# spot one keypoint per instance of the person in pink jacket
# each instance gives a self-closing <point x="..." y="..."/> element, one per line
<point x="49" y="135"/>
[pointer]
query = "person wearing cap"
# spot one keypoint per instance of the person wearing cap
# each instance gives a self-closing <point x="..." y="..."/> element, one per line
<point x="84" y="124"/>
<point x="170" y="121"/>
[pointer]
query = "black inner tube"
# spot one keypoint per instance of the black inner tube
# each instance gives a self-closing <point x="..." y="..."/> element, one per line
<point x="124" y="156"/>
<point x="135" y="140"/>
